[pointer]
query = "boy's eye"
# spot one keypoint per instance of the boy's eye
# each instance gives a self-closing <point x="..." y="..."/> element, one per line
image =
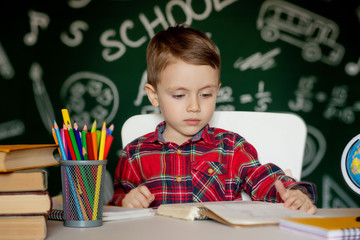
<point x="206" y="95"/>
<point x="177" y="96"/>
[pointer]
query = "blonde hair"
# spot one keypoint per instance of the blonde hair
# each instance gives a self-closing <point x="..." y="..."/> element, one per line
<point x="179" y="42"/>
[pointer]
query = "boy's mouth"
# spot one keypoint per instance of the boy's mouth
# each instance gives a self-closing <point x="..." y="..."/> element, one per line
<point x="192" y="121"/>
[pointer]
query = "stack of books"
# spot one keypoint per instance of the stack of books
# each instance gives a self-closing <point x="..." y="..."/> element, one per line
<point x="24" y="199"/>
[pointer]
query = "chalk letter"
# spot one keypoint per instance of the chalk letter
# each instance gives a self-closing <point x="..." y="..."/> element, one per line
<point x="150" y="26"/>
<point x="124" y="37"/>
<point x="75" y="30"/>
<point x="104" y="40"/>
<point x="141" y="92"/>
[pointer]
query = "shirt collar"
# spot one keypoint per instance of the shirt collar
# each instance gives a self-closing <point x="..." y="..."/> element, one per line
<point x="206" y="134"/>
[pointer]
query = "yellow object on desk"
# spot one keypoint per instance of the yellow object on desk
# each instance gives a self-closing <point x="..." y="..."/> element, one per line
<point x="330" y="227"/>
<point x="99" y="172"/>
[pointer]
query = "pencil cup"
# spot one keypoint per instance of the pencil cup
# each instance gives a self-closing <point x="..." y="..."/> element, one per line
<point x="82" y="185"/>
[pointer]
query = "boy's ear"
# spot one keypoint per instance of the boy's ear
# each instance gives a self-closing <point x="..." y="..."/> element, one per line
<point x="152" y="95"/>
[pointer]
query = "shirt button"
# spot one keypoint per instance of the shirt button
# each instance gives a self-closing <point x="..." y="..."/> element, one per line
<point x="178" y="151"/>
<point x="210" y="170"/>
<point x="178" y="179"/>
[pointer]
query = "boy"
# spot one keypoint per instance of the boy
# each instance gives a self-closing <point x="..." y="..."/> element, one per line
<point x="185" y="160"/>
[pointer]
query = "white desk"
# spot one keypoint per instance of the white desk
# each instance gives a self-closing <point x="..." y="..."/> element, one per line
<point x="159" y="228"/>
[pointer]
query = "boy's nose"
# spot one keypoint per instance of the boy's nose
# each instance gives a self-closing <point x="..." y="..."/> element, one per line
<point x="193" y="105"/>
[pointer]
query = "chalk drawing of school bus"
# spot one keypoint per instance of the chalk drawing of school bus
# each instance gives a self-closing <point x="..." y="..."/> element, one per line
<point x="314" y="34"/>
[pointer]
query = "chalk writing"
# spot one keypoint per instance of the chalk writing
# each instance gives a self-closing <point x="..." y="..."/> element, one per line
<point x="334" y="196"/>
<point x="337" y="106"/>
<point x="6" y="69"/>
<point x="315" y="150"/>
<point x="115" y="48"/>
<point x="141" y="90"/>
<point x="258" y="60"/>
<point x="89" y="95"/>
<point x="11" y="128"/>
<point x="352" y="68"/>
<point x="225" y="95"/>
<point x="78" y="3"/>
<point x="37" y="20"/>
<point x="314" y="34"/>
<point x="75" y="30"/>
<point x="42" y="99"/>
<point x="304" y="95"/>
<point x="263" y="98"/>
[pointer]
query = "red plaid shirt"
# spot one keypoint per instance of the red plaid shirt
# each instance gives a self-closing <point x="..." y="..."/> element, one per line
<point x="215" y="165"/>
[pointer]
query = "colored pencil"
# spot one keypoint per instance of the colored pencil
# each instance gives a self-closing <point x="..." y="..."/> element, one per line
<point x="66" y="117"/>
<point x="94" y="140"/>
<point x="75" y="195"/>
<point x="61" y="146"/>
<point x="67" y="149"/>
<point x="109" y="140"/>
<point x="98" y="134"/>
<point x="108" y="143"/>
<point x="97" y="192"/>
<point x="99" y="172"/>
<point x="83" y="137"/>
<point x="55" y="139"/>
<point x="111" y="129"/>
<point x="89" y="144"/>
<point x="85" y="154"/>
<point x="69" y="144"/>
<point x="78" y="140"/>
<point x="64" y="143"/>
<point x="102" y="142"/>
<point x="73" y="142"/>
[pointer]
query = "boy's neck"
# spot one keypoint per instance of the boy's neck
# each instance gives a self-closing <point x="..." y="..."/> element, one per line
<point x="175" y="139"/>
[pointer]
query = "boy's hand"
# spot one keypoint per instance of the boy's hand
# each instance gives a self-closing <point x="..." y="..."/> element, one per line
<point x="139" y="197"/>
<point x="295" y="199"/>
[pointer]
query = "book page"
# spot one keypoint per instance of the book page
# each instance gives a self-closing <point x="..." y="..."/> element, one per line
<point x="114" y="210"/>
<point x="251" y="212"/>
<point x="111" y="213"/>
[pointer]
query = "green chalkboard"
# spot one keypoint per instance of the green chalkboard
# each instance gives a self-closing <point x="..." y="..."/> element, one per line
<point x="277" y="56"/>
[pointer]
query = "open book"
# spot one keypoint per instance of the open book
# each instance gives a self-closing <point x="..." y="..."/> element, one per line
<point x="235" y="213"/>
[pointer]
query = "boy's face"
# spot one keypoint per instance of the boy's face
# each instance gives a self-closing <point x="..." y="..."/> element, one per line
<point x="186" y="95"/>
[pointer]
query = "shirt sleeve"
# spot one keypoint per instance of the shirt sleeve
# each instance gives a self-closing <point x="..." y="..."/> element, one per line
<point x="125" y="178"/>
<point x="258" y="180"/>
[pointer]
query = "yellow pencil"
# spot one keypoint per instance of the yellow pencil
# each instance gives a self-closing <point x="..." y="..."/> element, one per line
<point x="99" y="172"/>
<point x="102" y="142"/>
<point x="66" y="117"/>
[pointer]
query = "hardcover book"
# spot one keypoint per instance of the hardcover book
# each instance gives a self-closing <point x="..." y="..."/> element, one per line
<point x="23" y="227"/>
<point x="25" y="203"/>
<point x="25" y="180"/>
<point x="17" y="157"/>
